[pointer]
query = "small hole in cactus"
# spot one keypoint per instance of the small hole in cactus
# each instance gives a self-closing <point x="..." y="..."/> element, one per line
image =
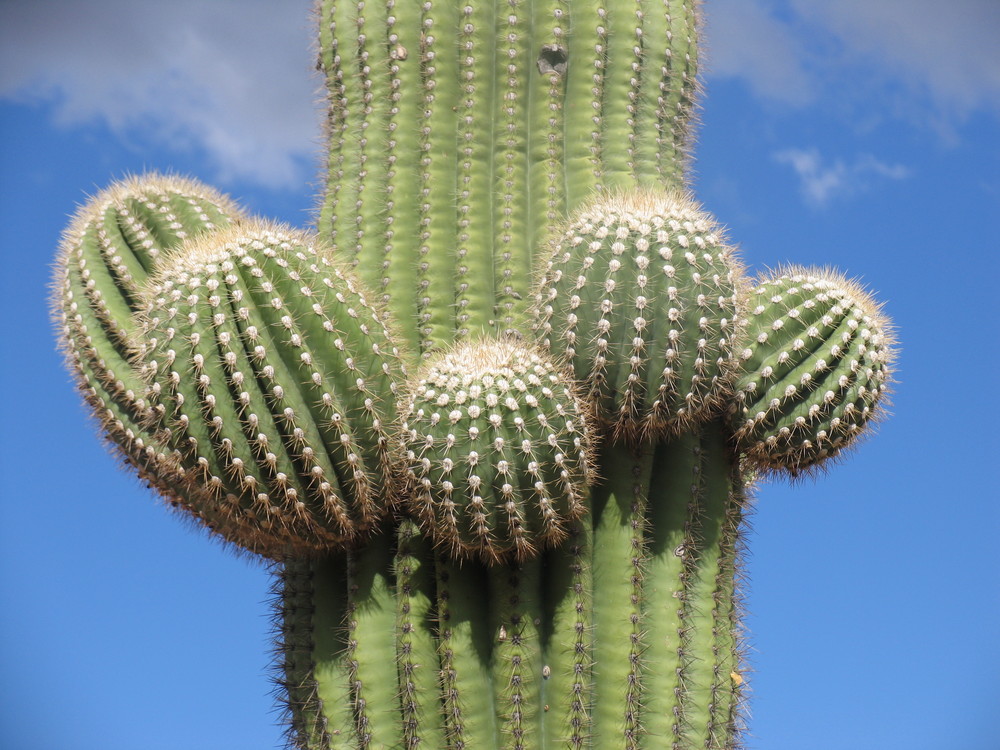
<point x="552" y="59"/>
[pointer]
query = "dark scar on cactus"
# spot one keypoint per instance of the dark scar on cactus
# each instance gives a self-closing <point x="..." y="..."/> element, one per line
<point x="553" y="59"/>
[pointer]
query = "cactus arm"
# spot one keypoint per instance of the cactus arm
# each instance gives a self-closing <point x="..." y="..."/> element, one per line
<point x="105" y="258"/>
<point x="816" y="366"/>
<point x="234" y="368"/>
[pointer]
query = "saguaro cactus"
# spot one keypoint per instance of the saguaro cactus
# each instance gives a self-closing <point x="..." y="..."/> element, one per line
<point x="495" y="419"/>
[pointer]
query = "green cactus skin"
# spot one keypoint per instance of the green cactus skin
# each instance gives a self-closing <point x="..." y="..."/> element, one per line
<point x="665" y="566"/>
<point x="460" y="133"/>
<point x="497" y="447"/>
<point x="256" y="382"/>
<point x="272" y="378"/>
<point x="640" y="295"/>
<point x="454" y="190"/>
<point x="109" y="250"/>
<point x="815" y="368"/>
<point x="416" y="643"/>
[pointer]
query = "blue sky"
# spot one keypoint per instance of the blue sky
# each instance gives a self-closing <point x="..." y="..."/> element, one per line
<point x="859" y="134"/>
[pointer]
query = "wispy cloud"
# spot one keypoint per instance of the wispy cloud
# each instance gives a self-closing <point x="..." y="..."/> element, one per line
<point x="943" y="57"/>
<point x="745" y="40"/>
<point x="949" y="51"/>
<point x="823" y="180"/>
<point x="231" y="77"/>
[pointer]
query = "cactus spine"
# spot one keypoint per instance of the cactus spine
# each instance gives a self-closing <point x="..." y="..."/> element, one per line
<point x="532" y="540"/>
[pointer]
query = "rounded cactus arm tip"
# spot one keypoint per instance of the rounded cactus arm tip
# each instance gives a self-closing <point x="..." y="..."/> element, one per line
<point x="272" y="377"/>
<point x="497" y="445"/>
<point x="640" y="294"/>
<point x="817" y="362"/>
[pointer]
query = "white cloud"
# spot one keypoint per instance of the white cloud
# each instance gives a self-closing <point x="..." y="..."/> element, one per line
<point x="230" y="76"/>
<point x="950" y="51"/>
<point x="946" y="55"/>
<point x="743" y="39"/>
<point x="822" y="180"/>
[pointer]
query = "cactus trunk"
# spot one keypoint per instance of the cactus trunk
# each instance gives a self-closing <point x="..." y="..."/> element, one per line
<point x="626" y="636"/>
<point x="460" y="133"/>
<point x="460" y="136"/>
